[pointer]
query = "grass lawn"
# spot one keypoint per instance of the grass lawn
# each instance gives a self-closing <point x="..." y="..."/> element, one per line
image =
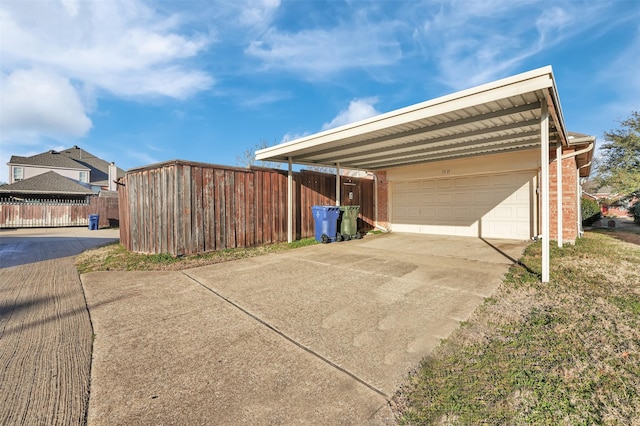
<point x="566" y="352"/>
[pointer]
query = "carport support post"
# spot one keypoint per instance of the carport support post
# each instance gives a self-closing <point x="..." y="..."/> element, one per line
<point x="544" y="187"/>
<point x="290" y="203"/>
<point x="337" y="184"/>
<point x="559" y="191"/>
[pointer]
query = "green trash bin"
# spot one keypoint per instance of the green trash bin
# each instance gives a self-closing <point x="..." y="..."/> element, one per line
<point x="349" y="222"/>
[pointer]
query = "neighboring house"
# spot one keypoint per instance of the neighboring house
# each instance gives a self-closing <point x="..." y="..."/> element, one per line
<point x="48" y="186"/>
<point x="611" y="203"/>
<point x="616" y="206"/>
<point x="73" y="163"/>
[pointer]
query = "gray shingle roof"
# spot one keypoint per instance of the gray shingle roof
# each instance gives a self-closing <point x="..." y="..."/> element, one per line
<point x="99" y="167"/>
<point x="46" y="183"/>
<point x="49" y="159"/>
<point x="72" y="158"/>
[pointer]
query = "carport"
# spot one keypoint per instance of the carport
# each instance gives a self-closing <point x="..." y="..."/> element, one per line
<point x="514" y="120"/>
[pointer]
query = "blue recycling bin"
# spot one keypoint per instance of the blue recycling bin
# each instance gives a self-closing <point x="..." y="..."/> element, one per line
<point x="325" y="219"/>
<point x="94" y="219"/>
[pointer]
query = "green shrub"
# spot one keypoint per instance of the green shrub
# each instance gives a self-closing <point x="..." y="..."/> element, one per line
<point x="635" y="211"/>
<point x="590" y="211"/>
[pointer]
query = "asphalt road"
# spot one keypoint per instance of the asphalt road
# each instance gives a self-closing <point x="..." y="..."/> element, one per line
<point x="45" y="328"/>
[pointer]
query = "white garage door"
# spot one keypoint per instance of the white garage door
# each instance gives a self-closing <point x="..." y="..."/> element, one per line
<point x="491" y="206"/>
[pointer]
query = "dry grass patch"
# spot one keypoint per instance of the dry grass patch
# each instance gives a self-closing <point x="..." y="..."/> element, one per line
<point x="114" y="257"/>
<point x="566" y="352"/>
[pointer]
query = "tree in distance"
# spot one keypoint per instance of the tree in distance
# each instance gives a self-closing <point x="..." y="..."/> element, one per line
<point x="619" y="166"/>
<point x="248" y="157"/>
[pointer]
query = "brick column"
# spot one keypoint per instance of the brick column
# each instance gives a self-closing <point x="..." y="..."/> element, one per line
<point x="568" y="200"/>
<point x="382" y="198"/>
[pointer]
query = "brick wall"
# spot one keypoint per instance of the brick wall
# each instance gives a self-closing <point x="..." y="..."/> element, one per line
<point x="568" y="200"/>
<point x="382" y="193"/>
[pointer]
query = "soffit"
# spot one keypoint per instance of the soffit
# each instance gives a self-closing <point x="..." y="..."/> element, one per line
<point x="498" y="117"/>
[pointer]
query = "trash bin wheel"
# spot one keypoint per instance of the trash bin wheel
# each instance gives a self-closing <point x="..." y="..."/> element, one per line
<point x="324" y="238"/>
<point x="357" y="236"/>
<point x="339" y="237"/>
<point x="346" y="237"/>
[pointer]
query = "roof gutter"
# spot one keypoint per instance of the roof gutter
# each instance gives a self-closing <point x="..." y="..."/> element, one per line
<point x="576" y="153"/>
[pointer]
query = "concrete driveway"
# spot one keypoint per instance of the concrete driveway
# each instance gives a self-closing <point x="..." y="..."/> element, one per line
<point x="45" y="330"/>
<point x="322" y="334"/>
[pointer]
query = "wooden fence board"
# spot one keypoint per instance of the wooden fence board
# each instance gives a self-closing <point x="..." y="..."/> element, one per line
<point x="186" y="208"/>
<point x="52" y="213"/>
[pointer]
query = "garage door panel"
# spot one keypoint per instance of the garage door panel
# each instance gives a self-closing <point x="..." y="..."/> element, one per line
<point x="461" y="197"/>
<point x="444" y="184"/>
<point x="493" y="206"/>
<point x="427" y="184"/>
<point x="444" y="198"/>
<point x="462" y="182"/>
<point x="464" y="213"/>
<point x="481" y="181"/>
<point x="501" y="180"/>
<point x="480" y="197"/>
<point x="523" y="213"/>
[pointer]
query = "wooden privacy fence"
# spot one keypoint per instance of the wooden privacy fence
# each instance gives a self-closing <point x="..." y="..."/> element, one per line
<point x="183" y="208"/>
<point x="58" y="213"/>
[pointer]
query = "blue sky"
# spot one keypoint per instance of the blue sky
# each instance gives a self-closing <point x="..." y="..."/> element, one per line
<point x="139" y="82"/>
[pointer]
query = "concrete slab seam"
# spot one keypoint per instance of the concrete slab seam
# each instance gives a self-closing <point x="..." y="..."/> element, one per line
<point x="290" y="339"/>
<point x="93" y="340"/>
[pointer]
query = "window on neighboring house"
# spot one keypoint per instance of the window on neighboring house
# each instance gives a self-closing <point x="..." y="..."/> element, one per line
<point x="18" y="174"/>
<point x="84" y="177"/>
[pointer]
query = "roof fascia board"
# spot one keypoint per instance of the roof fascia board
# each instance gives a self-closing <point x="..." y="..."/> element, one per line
<point x="556" y="116"/>
<point x="512" y="86"/>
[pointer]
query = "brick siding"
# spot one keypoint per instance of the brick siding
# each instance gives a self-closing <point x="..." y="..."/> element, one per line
<point x="382" y="193"/>
<point x="568" y="199"/>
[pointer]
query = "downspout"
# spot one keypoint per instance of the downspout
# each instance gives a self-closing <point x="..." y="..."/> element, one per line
<point x="559" y="194"/>
<point x="338" y="187"/>
<point x="579" y="189"/>
<point x="290" y="201"/>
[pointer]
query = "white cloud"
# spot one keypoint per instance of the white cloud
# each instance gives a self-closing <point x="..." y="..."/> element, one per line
<point x="140" y="157"/>
<point x="359" y="109"/>
<point x="40" y="102"/>
<point x="258" y="12"/>
<point x="122" y="47"/>
<point x="264" y="98"/>
<point x="475" y="42"/>
<point x="59" y="57"/>
<point x="318" y="53"/>
<point x="293" y="136"/>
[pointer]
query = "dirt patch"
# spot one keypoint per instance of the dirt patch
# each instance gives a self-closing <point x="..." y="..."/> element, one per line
<point x="628" y="237"/>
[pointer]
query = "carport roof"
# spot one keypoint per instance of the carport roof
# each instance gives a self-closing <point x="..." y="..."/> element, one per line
<point x="497" y="117"/>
